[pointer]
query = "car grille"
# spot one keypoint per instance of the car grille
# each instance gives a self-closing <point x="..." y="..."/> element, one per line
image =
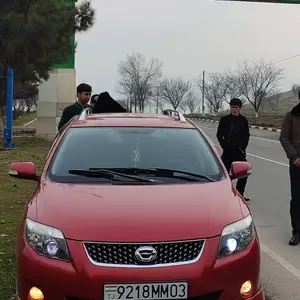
<point x="122" y="254"/>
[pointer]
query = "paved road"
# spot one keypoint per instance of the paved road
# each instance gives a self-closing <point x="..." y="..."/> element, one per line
<point x="269" y="190"/>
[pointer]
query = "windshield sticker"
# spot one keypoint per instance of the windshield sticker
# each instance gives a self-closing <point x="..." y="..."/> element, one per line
<point x="136" y="156"/>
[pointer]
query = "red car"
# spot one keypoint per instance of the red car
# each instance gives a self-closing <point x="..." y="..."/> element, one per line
<point x="135" y="207"/>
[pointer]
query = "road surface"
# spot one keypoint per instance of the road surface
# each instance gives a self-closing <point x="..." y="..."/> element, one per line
<point x="269" y="190"/>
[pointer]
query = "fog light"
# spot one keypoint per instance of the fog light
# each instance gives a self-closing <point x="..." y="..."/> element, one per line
<point x="247" y="289"/>
<point x="35" y="294"/>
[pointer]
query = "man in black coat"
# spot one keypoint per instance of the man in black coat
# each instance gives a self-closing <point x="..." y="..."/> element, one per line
<point x="290" y="141"/>
<point x="233" y="136"/>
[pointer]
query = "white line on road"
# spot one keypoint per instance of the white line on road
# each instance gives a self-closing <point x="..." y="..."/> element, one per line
<point x="264" y="139"/>
<point x="255" y="137"/>
<point x="254" y="155"/>
<point x="267" y="159"/>
<point x="286" y="265"/>
<point x="263" y="158"/>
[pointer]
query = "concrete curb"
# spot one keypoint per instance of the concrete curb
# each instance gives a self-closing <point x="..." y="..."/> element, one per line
<point x="251" y="126"/>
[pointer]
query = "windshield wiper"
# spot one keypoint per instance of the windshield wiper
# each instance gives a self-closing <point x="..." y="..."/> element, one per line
<point x="159" y="172"/>
<point x="108" y="174"/>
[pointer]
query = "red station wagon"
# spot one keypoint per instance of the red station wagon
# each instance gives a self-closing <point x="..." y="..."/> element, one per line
<point x="135" y="207"/>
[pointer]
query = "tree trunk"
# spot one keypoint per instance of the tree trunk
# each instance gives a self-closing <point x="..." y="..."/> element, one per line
<point x="256" y="114"/>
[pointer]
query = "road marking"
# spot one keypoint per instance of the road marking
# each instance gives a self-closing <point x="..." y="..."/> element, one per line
<point x="265" y="139"/>
<point x="263" y="158"/>
<point x="252" y="136"/>
<point x="286" y="265"/>
<point x="254" y="155"/>
<point x="267" y="159"/>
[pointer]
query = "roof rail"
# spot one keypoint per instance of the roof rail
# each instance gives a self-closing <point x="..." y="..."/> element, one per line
<point x="176" y="113"/>
<point x="85" y="113"/>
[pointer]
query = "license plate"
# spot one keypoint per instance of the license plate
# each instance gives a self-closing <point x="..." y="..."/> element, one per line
<point x="146" y="291"/>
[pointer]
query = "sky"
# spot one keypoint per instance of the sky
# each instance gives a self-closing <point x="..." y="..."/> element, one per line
<point x="188" y="36"/>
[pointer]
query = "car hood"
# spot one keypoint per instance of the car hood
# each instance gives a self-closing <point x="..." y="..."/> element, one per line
<point x="137" y="213"/>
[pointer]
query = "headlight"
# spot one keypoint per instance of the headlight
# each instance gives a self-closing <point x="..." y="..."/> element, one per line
<point x="45" y="240"/>
<point x="236" y="237"/>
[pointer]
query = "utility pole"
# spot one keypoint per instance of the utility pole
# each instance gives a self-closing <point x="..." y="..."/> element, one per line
<point x="9" y="109"/>
<point x="203" y="87"/>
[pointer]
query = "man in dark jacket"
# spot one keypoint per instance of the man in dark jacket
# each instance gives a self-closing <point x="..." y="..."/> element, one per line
<point x="233" y="136"/>
<point x="290" y="141"/>
<point x="84" y="92"/>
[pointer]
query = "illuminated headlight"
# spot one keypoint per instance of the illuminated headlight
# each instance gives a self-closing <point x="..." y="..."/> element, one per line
<point x="46" y="241"/>
<point x="236" y="237"/>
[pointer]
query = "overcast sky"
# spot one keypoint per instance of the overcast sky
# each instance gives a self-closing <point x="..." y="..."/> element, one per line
<point x="188" y="36"/>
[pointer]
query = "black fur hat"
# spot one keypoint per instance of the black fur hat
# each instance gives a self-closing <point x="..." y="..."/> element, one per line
<point x="106" y="104"/>
<point x="236" y="102"/>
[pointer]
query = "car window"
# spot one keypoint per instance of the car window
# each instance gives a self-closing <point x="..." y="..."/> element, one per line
<point x="133" y="147"/>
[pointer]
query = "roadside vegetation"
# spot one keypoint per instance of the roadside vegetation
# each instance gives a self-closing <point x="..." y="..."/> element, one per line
<point x="14" y="194"/>
<point x="23" y="119"/>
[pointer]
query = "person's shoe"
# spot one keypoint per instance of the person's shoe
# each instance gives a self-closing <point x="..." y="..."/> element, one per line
<point x="247" y="199"/>
<point x="295" y="240"/>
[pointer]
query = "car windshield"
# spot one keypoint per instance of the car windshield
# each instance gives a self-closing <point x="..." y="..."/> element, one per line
<point x="103" y="154"/>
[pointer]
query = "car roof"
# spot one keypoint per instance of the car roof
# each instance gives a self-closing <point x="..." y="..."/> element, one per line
<point x="131" y="120"/>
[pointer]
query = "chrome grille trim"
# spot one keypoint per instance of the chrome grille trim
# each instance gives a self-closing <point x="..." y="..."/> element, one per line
<point x="159" y="265"/>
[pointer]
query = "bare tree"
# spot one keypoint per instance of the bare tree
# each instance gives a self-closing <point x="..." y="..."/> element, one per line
<point x="173" y="90"/>
<point x="214" y="91"/>
<point x="31" y="102"/>
<point x="257" y="81"/>
<point x="209" y="107"/>
<point x="231" y="86"/>
<point x="137" y="78"/>
<point x="28" y="93"/>
<point x="156" y="99"/>
<point x="191" y="101"/>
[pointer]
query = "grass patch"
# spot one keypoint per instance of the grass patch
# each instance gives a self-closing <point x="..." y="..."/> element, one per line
<point x="23" y="119"/>
<point x="14" y="194"/>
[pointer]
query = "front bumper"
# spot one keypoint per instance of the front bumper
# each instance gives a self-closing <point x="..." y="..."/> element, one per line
<point x="208" y="279"/>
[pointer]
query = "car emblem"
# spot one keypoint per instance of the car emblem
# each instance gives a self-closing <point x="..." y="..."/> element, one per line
<point x="145" y="254"/>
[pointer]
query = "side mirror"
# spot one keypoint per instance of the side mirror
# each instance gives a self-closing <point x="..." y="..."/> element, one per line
<point x="240" y="169"/>
<point x="23" y="170"/>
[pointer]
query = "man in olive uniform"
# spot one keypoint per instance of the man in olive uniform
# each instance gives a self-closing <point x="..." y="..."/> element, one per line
<point x="84" y="92"/>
